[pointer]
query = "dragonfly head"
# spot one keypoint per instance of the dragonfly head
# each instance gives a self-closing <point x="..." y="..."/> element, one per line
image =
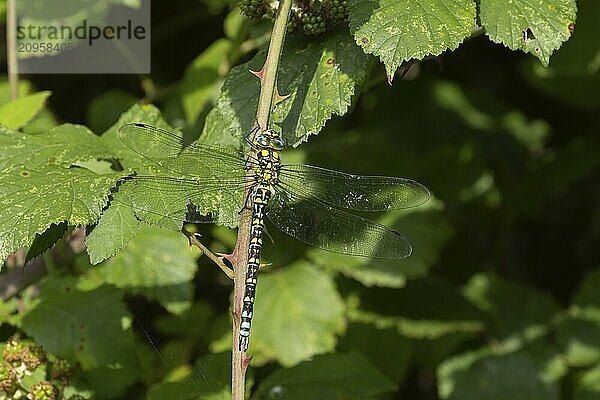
<point x="269" y="139"/>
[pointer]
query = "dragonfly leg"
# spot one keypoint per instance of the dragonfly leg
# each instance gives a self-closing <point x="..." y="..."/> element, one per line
<point x="254" y="130"/>
<point x="247" y="202"/>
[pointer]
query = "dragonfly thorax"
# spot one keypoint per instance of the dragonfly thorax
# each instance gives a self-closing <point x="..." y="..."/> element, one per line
<point x="266" y="167"/>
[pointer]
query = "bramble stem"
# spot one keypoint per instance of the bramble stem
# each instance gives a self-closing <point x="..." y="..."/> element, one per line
<point x="268" y="73"/>
<point x="239" y="259"/>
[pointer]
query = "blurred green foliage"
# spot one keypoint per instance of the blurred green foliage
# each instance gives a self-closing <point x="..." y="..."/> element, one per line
<point x="500" y="299"/>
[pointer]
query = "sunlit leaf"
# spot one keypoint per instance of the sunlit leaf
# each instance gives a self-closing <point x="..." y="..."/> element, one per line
<point x="400" y="30"/>
<point x="539" y="27"/>
<point x="158" y="264"/>
<point x="588" y="385"/>
<point x="115" y="229"/>
<point x="320" y="79"/>
<point x="580" y="341"/>
<point x="201" y="79"/>
<point x="146" y="113"/>
<point x="64" y="145"/>
<point x="32" y="200"/>
<point x="46" y="240"/>
<point x="20" y="111"/>
<point x="317" y="317"/>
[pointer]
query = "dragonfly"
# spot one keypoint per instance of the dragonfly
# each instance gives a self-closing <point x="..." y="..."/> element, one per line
<point x="198" y="183"/>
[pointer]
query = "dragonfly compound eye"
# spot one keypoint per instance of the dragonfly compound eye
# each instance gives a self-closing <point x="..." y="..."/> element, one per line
<point x="262" y="140"/>
<point x="277" y="144"/>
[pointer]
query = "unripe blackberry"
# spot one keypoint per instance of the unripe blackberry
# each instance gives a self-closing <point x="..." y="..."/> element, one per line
<point x="59" y="368"/>
<point x="252" y="8"/>
<point x="43" y="390"/>
<point x="337" y="10"/>
<point x="293" y="24"/>
<point x="13" y="351"/>
<point x="312" y="23"/>
<point x="33" y="357"/>
<point x="8" y="379"/>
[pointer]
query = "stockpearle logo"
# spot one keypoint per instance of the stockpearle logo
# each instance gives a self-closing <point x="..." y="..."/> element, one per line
<point x="79" y="36"/>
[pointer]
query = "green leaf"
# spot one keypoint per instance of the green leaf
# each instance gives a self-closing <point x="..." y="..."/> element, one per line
<point x="24" y="88"/>
<point x="158" y="264"/>
<point x="415" y="310"/>
<point x="195" y="323"/>
<point x="118" y="224"/>
<point x="580" y="341"/>
<point x="320" y="79"/>
<point x="298" y="313"/>
<point x="210" y="379"/>
<point x="115" y="230"/>
<point x="538" y="27"/>
<point x="43" y="122"/>
<point x="64" y="145"/>
<point x="516" y="312"/>
<point x="2" y="10"/>
<point x="587" y="300"/>
<point x="84" y="326"/>
<point x="201" y="79"/>
<point x="400" y="30"/>
<point x="580" y="55"/>
<point x="331" y="377"/>
<point x="425" y="227"/>
<point x="32" y="200"/>
<point x="588" y="385"/>
<point x="145" y="113"/>
<point x="513" y="376"/>
<point x="18" y="112"/>
<point x="551" y="364"/>
<point x="385" y="348"/>
<point x="549" y="359"/>
<point x="105" y="109"/>
<point x="46" y="240"/>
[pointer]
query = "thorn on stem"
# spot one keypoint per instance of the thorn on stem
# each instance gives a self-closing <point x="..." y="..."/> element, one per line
<point x="279" y="98"/>
<point x="258" y="74"/>
<point x="228" y="257"/>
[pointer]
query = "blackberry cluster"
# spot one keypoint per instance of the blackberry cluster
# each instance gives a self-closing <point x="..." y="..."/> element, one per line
<point x="20" y="360"/>
<point x="337" y="9"/>
<point x="252" y="8"/>
<point x="43" y="390"/>
<point x="312" y="23"/>
<point x="312" y="17"/>
<point x="8" y="378"/>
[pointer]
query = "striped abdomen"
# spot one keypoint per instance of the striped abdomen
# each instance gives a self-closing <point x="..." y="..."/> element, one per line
<point x="260" y="199"/>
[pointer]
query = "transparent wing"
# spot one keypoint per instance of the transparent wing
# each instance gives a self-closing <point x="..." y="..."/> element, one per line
<point x="318" y="224"/>
<point x="173" y="153"/>
<point x="355" y="192"/>
<point x="168" y="201"/>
